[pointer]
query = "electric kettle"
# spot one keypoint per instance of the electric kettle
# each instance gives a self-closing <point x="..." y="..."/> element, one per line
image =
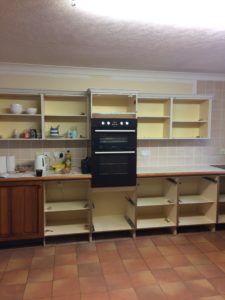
<point x="40" y="162"/>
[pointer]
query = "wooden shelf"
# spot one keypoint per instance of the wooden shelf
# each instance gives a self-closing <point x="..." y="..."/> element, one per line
<point x="193" y="199"/>
<point x="194" y="220"/>
<point x="222" y="198"/>
<point x="110" y="223"/>
<point x="221" y="218"/>
<point x="66" y="206"/>
<point x="153" y="117"/>
<point x="65" y="229"/>
<point x="153" y="201"/>
<point x="154" y="222"/>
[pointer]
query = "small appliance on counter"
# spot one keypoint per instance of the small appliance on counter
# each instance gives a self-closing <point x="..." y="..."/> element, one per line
<point x="40" y="162"/>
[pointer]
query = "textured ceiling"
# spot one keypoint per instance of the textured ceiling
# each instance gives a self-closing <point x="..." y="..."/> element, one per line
<point x="52" y="32"/>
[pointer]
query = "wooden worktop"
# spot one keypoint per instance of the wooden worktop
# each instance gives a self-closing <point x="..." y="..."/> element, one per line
<point x="141" y="172"/>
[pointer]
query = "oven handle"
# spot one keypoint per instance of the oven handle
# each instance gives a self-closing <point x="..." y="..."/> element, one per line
<point x="114" y="152"/>
<point x="114" y="130"/>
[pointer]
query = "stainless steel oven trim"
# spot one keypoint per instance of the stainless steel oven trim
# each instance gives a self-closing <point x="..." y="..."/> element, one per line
<point x="115" y="130"/>
<point x="115" y="152"/>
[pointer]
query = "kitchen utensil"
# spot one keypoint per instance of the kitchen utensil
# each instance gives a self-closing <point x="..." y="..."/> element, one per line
<point x="31" y="110"/>
<point x="54" y="131"/>
<point x="16" y="108"/>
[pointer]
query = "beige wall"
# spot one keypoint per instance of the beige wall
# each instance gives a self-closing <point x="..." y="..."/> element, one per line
<point x="150" y="153"/>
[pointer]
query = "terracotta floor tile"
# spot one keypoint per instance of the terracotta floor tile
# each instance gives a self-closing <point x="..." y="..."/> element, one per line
<point x="198" y="259"/>
<point x="219" y="284"/>
<point x="149" y="252"/>
<point x="12" y="292"/>
<point x="108" y="255"/>
<point x="206" y="247"/>
<point x="176" y="290"/>
<point x="40" y="275"/>
<point x="66" y="286"/>
<point x="142" y="242"/>
<point x="219" y="297"/>
<point x="44" y="262"/>
<point x="22" y="253"/>
<point x="38" y="290"/>
<point x="86" y="248"/>
<point x="188" y="273"/>
<point x="85" y="258"/>
<point x="158" y="262"/>
<point x="127" y="243"/>
<point x="201" y="288"/>
<point x="118" y="281"/>
<point x="65" y="259"/>
<point x="87" y="270"/>
<point x="95" y="296"/>
<point x="210" y="271"/>
<point x="179" y="240"/>
<point x="44" y="251"/>
<point x="16" y="264"/>
<point x="15" y="277"/>
<point x="196" y="238"/>
<point x="143" y="278"/>
<point x="115" y="267"/>
<point x="74" y="296"/>
<point x="153" y="292"/>
<point x="128" y="253"/>
<point x="178" y="260"/>
<point x="92" y="284"/>
<point x="165" y="275"/>
<point x="162" y="240"/>
<point x="105" y="246"/>
<point x="67" y="271"/>
<point x="189" y="249"/>
<point x="169" y="250"/>
<point x="123" y="294"/>
<point x="3" y="265"/>
<point x="65" y="249"/>
<point x="135" y="265"/>
<point x="217" y="256"/>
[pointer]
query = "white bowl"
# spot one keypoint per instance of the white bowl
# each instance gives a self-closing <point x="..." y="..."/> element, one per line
<point x="31" y="110"/>
<point x="16" y="108"/>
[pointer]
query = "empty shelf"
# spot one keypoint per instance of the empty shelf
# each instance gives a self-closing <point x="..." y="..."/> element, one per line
<point x="154" y="223"/>
<point x="110" y="223"/>
<point x="66" y="206"/>
<point x="154" y="201"/>
<point x="194" y="220"/>
<point x="193" y="199"/>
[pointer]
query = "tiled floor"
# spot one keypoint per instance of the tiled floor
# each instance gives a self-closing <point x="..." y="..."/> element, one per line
<point x="185" y="266"/>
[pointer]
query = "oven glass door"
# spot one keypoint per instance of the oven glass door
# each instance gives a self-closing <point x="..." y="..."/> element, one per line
<point x="113" y="140"/>
<point x="114" y="169"/>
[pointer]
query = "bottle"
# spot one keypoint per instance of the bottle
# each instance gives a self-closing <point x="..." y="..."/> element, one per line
<point x="68" y="161"/>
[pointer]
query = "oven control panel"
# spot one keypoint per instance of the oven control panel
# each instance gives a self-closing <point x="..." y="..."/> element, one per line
<point x="114" y="123"/>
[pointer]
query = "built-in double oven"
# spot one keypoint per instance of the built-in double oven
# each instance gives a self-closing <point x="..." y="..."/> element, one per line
<point x="113" y="150"/>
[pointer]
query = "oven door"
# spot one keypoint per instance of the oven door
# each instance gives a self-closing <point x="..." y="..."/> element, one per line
<point x="113" y="140"/>
<point x="110" y="169"/>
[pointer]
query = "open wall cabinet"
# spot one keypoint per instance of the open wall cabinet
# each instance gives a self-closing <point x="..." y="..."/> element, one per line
<point x="174" y="116"/>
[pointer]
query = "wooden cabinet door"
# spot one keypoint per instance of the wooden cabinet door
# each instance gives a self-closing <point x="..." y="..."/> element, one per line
<point x="24" y="204"/>
<point x="5" y="224"/>
<point x="27" y="212"/>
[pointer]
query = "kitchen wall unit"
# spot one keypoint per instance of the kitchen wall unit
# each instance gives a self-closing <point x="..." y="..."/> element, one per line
<point x="174" y="116"/>
<point x="156" y="203"/>
<point x="12" y="125"/>
<point x="21" y="210"/>
<point x="69" y="111"/>
<point x="197" y="200"/>
<point x="113" y="103"/>
<point x="67" y="208"/>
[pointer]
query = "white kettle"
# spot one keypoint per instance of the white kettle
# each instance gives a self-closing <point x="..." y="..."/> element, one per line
<point x="40" y="162"/>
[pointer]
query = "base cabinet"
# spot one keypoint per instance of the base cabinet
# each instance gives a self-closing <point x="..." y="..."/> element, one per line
<point x="21" y="211"/>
